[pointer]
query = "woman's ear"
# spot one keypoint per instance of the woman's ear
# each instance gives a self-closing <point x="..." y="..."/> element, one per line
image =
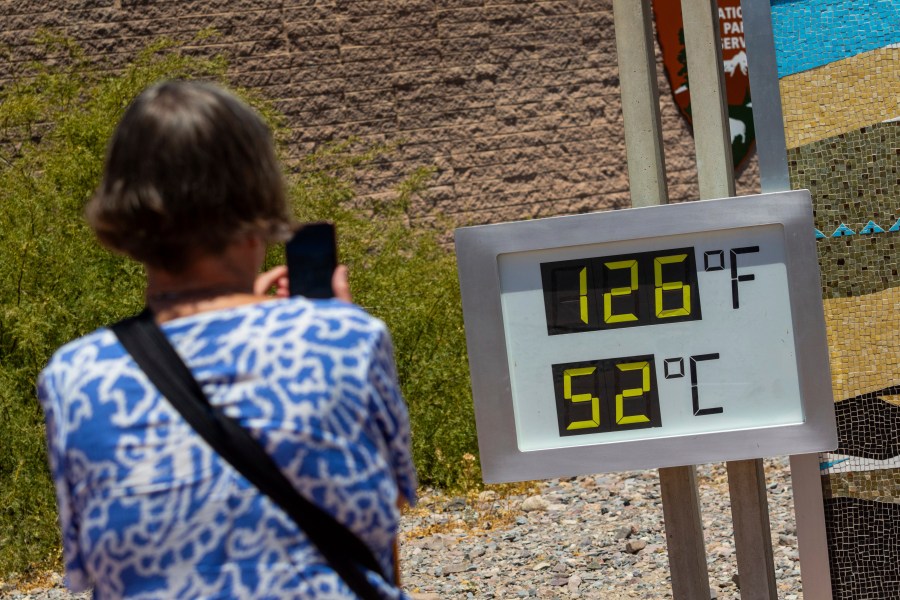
<point x="254" y="242"/>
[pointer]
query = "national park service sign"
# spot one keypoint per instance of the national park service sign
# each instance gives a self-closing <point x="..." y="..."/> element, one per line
<point x="670" y="29"/>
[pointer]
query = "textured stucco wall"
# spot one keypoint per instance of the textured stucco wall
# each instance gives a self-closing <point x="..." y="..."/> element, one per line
<point x="516" y="103"/>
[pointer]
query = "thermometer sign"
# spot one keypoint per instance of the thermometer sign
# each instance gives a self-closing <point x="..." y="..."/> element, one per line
<point x="652" y="330"/>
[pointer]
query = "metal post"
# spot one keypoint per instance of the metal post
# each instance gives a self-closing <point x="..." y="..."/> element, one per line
<point x="647" y="179"/>
<point x="752" y="537"/>
<point x="640" y="102"/>
<point x="809" y="505"/>
<point x="684" y="533"/>
<point x="768" y="120"/>
<point x="809" y="510"/>
<point x="712" y="137"/>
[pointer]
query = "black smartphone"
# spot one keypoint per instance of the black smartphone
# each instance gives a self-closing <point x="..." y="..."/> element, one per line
<point x="311" y="260"/>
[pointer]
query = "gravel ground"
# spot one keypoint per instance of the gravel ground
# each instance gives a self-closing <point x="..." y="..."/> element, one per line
<point x="587" y="537"/>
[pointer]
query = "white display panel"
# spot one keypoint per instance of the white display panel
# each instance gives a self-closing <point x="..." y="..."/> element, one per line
<point x="753" y="377"/>
<point x="646" y="338"/>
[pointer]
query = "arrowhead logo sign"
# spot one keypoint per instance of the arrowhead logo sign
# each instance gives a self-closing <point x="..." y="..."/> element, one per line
<point x="670" y="31"/>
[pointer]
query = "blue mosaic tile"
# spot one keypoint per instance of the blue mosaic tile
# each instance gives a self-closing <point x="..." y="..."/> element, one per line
<point x="813" y="33"/>
<point x="842" y="230"/>
<point x="831" y="463"/>
<point x="870" y="228"/>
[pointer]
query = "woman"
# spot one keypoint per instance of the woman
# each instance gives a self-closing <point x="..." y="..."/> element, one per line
<point x="192" y="190"/>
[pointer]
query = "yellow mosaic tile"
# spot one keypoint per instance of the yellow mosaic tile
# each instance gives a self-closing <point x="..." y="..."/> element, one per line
<point x="864" y="342"/>
<point x="882" y="485"/>
<point x="895" y="399"/>
<point x="841" y="97"/>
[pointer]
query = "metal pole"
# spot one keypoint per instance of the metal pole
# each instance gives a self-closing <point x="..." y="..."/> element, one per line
<point x="752" y="532"/>
<point x="712" y="137"/>
<point x="647" y="179"/>
<point x="768" y="120"/>
<point x="809" y="510"/>
<point x="684" y="533"/>
<point x="640" y="102"/>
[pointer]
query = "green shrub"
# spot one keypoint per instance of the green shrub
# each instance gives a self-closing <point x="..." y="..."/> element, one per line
<point x="402" y="275"/>
<point x="57" y="283"/>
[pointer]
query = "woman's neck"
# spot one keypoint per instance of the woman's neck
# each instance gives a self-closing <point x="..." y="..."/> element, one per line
<point x="205" y="283"/>
<point x="167" y="310"/>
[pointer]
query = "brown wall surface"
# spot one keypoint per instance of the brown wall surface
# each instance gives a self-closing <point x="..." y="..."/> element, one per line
<point x="515" y="103"/>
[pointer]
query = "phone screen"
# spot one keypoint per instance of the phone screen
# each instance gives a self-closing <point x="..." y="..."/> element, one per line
<point x="311" y="260"/>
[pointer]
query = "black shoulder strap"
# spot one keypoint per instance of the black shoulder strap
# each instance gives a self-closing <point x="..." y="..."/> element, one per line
<point x="148" y="345"/>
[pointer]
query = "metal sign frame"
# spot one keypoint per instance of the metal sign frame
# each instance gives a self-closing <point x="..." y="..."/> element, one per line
<point x="478" y="249"/>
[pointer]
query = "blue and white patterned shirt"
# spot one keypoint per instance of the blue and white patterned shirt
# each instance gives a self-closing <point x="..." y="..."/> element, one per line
<point x="148" y="510"/>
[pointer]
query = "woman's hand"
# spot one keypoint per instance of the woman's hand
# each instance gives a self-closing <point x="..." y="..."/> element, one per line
<point x="340" y="283"/>
<point x="274" y="282"/>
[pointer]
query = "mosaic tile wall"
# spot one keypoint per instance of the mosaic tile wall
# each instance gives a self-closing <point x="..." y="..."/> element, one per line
<point x="839" y="64"/>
